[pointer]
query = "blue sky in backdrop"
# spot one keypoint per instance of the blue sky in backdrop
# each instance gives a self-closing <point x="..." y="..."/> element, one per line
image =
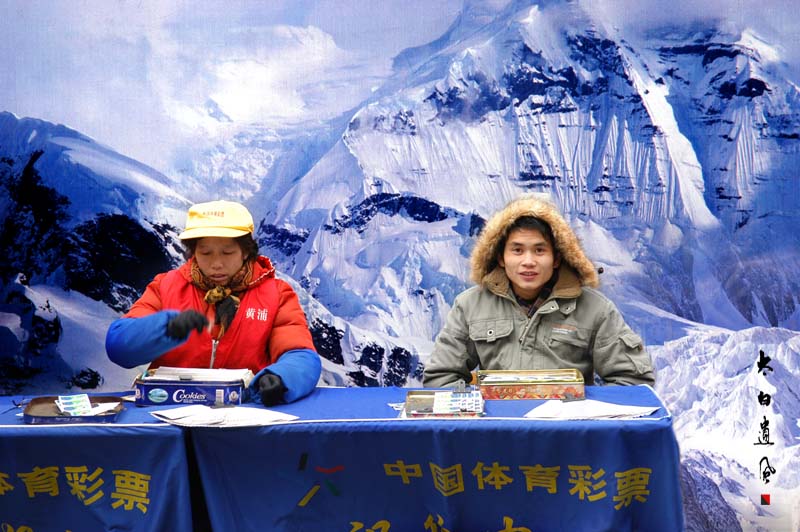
<point x="138" y="76"/>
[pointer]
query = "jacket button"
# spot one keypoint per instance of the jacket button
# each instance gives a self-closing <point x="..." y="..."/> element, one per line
<point x="490" y="332"/>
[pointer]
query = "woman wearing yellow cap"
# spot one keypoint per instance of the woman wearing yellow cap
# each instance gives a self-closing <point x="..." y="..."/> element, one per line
<point x="223" y="308"/>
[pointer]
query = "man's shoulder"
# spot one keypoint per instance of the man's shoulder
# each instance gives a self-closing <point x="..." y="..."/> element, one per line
<point x="594" y="298"/>
<point x="473" y="293"/>
<point x="478" y="301"/>
<point x="471" y="290"/>
<point x="592" y="293"/>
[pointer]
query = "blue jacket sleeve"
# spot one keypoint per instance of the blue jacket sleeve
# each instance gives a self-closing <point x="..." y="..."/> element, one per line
<point x="131" y="342"/>
<point x="299" y="369"/>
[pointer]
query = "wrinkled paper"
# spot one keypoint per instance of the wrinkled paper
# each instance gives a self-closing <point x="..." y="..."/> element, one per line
<point x="588" y="409"/>
<point x="226" y="416"/>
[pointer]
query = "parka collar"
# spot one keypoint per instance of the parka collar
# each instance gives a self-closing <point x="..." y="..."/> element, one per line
<point x="483" y="259"/>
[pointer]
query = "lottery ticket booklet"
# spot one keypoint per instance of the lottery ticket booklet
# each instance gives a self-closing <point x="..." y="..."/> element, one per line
<point x="443" y="403"/>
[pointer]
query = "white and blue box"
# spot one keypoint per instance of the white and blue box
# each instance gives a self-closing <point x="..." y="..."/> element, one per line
<point x="186" y="386"/>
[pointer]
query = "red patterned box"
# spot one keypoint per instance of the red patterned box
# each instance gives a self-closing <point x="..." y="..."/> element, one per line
<point x="531" y="384"/>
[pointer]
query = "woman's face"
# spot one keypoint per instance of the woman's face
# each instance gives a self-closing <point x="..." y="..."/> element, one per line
<point x="219" y="258"/>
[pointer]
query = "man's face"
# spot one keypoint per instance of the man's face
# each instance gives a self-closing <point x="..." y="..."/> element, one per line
<point x="529" y="261"/>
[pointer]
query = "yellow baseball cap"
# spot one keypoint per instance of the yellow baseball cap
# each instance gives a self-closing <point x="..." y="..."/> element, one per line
<point x="217" y="218"/>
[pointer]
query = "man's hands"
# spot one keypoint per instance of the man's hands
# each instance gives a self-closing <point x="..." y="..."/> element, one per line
<point x="271" y="389"/>
<point x="181" y="325"/>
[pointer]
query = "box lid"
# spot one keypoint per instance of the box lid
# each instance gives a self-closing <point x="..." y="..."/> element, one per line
<point x="529" y="376"/>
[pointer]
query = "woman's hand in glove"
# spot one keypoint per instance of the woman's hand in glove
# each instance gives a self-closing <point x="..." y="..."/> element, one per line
<point x="271" y="389"/>
<point x="181" y="325"/>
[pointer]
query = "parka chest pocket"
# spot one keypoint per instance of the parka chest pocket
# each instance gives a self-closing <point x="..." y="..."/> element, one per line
<point x="632" y="341"/>
<point x="569" y="343"/>
<point x="490" y="330"/>
<point x="636" y="352"/>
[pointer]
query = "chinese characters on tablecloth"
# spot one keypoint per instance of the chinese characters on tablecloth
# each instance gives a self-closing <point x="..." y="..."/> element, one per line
<point x="583" y="482"/>
<point x="129" y="491"/>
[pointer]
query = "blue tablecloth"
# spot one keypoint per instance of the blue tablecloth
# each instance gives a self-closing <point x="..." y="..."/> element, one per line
<point x="351" y="465"/>
<point x="92" y="477"/>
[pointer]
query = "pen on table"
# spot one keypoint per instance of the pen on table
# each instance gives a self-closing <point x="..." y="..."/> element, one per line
<point x="16" y="405"/>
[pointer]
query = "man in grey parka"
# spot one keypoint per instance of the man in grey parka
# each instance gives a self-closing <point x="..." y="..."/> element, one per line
<point x="535" y="306"/>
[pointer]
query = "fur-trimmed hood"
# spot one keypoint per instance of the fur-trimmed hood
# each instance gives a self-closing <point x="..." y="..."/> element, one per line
<point x="483" y="260"/>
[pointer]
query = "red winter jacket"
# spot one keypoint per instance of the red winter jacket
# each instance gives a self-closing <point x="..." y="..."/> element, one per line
<point x="268" y="323"/>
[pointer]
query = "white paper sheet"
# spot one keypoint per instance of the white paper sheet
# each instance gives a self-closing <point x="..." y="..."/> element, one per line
<point x="228" y="416"/>
<point x="587" y="409"/>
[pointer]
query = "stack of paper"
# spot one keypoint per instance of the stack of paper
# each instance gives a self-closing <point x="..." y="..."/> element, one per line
<point x="227" y="416"/>
<point x="166" y="373"/>
<point x="588" y="409"/>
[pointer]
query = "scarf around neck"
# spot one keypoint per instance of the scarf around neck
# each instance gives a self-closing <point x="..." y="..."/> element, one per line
<point x="226" y="298"/>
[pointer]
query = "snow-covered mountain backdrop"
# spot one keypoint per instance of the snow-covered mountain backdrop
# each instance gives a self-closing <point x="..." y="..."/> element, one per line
<point x="674" y="153"/>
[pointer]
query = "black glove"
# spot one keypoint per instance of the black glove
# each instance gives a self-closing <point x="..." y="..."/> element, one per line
<point x="271" y="389"/>
<point x="181" y="325"/>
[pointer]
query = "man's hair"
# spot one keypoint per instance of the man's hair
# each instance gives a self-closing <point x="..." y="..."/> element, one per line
<point x="527" y="222"/>
<point x="246" y="242"/>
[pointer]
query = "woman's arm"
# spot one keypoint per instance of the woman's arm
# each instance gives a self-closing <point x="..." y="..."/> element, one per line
<point x="131" y="342"/>
<point x="299" y="369"/>
<point x="291" y="347"/>
<point x="140" y="336"/>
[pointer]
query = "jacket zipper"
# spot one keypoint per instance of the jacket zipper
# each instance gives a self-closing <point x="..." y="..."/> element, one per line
<point x="526" y="329"/>
<point x="543" y="307"/>
<point x="531" y="317"/>
<point x="214" y="343"/>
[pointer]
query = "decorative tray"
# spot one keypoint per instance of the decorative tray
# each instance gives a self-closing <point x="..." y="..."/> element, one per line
<point x="43" y="411"/>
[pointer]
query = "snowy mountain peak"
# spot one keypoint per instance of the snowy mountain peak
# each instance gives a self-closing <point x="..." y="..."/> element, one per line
<point x="669" y="145"/>
<point x="672" y="153"/>
<point x="95" y="178"/>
